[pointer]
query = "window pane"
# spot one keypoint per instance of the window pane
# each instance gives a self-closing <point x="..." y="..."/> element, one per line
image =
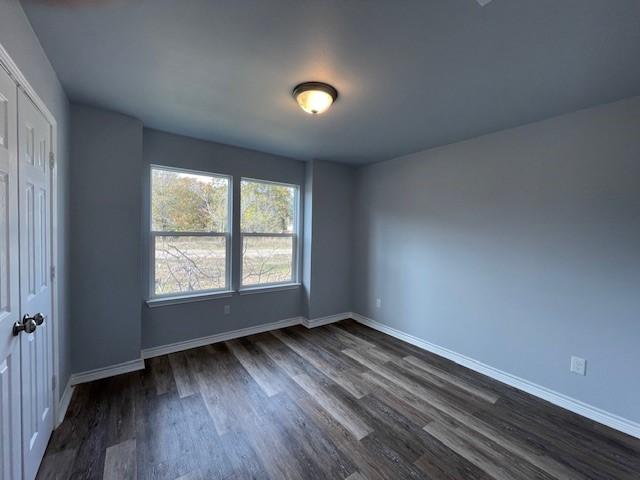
<point x="266" y="260"/>
<point x="187" y="202"/>
<point x="189" y="264"/>
<point x="267" y="207"/>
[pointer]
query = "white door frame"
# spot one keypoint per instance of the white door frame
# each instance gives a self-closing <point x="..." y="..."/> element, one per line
<point x="14" y="72"/>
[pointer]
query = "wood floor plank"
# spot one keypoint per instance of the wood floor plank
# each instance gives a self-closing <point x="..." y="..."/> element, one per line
<point x="56" y="465"/>
<point x="333" y="462"/>
<point x="75" y="427"/>
<point x="353" y="341"/>
<point x="280" y="453"/>
<point x="185" y="382"/>
<point x="355" y="476"/>
<point x="120" y="461"/>
<point x="416" y="416"/>
<point x="260" y="372"/>
<point x="366" y="463"/>
<point x="347" y="379"/>
<point x="441" y="463"/>
<point x="317" y="342"/>
<point x="335" y="407"/>
<point x="461" y="384"/>
<point x="244" y="460"/>
<point x="416" y="385"/>
<point x="199" y="429"/>
<point x="557" y="439"/>
<point x="389" y="460"/>
<point x="340" y="401"/>
<point x="223" y="402"/>
<point x="485" y="454"/>
<point x="394" y="428"/>
<point x="245" y="400"/>
<point x="314" y="387"/>
<point x="399" y="349"/>
<point x="121" y="409"/>
<point x="162" y="374"/>
<point x="365" y="358"/>
<point x="161" y="436"/>
<point x="447" y="413"/>
<point x="93" y="421"/>
<point x="324" y="337"/>
<point x="196" y="475"/>
<point x="211" y="391"/>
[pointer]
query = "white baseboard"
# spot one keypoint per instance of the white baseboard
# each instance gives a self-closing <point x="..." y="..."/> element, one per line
<point x="318" y="322"/>
<point x="594" y="413"/>
<point x="218" y="337"/>
<point x="104" y="372"/>
<point x="63" y="405"/>
<point x="134" y="365"/>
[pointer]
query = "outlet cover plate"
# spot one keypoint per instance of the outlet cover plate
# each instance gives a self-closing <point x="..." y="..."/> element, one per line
<point x="578" y="366"/>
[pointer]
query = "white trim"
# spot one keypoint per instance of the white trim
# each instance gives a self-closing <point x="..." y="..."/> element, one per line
<point x="21" y="80"/>
<point x="134" y="365"/>
<point x="197" y="297"/>
<point x="296" y="247"/>
<point x="56" y="310"/>
<point x="228" y="236"/>
<point x="218" y="337"/>
<point x="105" y="372"/>
<point x="576" y="406"/>
<point x="318" y="322"/>
<point x="64" y="403"/>
<point x="274" y="287"/>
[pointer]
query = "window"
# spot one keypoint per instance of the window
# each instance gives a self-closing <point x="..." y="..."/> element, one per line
<point x="269" y="230"/>
<point x="190" y="232"/>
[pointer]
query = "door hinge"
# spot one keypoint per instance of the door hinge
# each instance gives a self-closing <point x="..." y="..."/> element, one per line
<point x="53" y="272"/>
<point x="53" y="383"/>
<point x="52" y="160"/>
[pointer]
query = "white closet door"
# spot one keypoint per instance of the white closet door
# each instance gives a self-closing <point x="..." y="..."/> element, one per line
<point x="10" y="406"/>
<point x="34" y="145"/>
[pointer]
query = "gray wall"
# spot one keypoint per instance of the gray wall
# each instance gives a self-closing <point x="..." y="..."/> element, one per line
<point x="330" y="262"/>
<point x="19" y="40"/>
<point x="307" y="244"/>
<point x="106" y="176"/>
<point x="111" y="158"/>
<point x="517" y="249"/>
<point x="174" y="323"/>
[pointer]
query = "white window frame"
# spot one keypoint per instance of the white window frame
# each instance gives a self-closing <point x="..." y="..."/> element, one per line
<point x="154" y="234"/>
<point x="295" y="254"/>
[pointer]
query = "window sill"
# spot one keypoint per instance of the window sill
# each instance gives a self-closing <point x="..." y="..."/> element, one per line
<point x="178" y="299"/>
<point x="269" y="288"/>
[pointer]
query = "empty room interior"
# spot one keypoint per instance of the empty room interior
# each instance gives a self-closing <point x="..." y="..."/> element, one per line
<point x="320" y="239"/>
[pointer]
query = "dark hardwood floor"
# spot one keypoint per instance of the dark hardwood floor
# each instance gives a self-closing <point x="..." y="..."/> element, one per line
<point x="335" y="402"/>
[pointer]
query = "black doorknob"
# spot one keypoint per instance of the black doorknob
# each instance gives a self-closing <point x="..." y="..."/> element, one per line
<point x="27" y="324"/>
<point x="38" y="318"/>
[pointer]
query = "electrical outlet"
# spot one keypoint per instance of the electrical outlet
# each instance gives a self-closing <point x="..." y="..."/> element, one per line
<point x="378" y="303"/>
<point x="578" y="366"/>
<point x="227" y="309"/>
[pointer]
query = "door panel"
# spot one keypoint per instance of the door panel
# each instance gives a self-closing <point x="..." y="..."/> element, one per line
<point x="10" y="406"/>
<point x="34" y="137"/>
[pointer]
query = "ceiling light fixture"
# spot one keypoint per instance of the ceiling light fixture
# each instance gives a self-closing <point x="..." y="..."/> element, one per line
<point x="315" y="97"/>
